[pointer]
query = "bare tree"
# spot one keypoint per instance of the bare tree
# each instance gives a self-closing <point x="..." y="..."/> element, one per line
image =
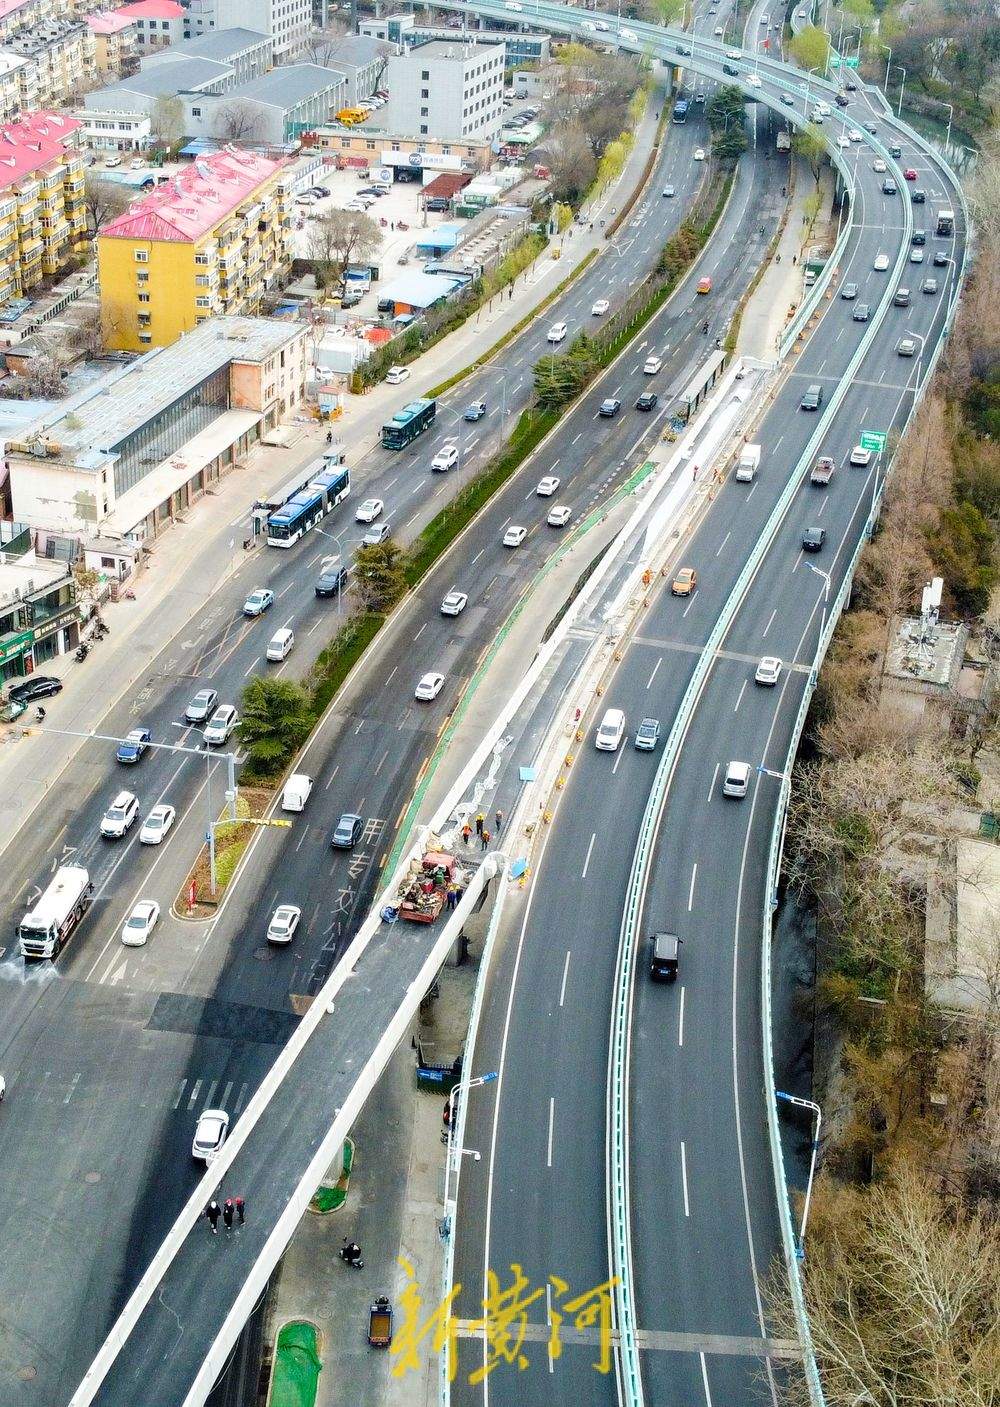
<point x="87" y="335"/>
<point x="594" y="92"/>
<point x="338" y="238"/>
<point x="570" y="157"/>
<point x="238" y="122"/>
<point x="103" y="201"/>
<point x="321" y="46"/>
<point x="167" y="120"/>
<point x="902" y="1288"/>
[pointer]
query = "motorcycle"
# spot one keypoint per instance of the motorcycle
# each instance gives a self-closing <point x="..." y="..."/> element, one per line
<point x="82" y="651"/>
<point x="350" y="1254"/>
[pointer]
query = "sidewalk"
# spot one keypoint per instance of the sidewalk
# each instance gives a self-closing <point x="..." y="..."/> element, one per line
<point x="781" y="285"/>
<point x="192" y="560"/>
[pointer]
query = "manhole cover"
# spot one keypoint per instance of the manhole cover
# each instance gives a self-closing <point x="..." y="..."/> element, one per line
<point x="27" y="1374"/>
<point x="92" y="1177"/>
<point x="264" y="954"/>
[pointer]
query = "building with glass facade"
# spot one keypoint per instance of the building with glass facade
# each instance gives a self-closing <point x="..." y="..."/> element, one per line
<point x="126" y="456"/>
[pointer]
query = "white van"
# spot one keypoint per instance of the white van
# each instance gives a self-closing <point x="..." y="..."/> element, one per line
<point x="611" y="731"/>
<point x="280" y="644"/>
<point x="296" y="792"/>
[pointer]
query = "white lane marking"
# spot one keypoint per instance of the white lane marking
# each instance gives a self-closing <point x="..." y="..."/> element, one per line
<point x="72" y="1088"/>
<point x="391" y="673"/>
<point x="586" y="863"/>
<point x="684" y="1178"/>
<point x="251" y="666"/>
<point x="548" y="1320"/>
<point x="770" y="621"/>
<point x="680" y="1021"/>
<point x="618" y="759"/>
<point x="552" y="1116"/>
<point x="723" y="543"/>
<point x="655" y="668"/>
<point x="740" y="699"/>
<point x="704" y="1379"/>
<point x="562" y="989"/>
<point x="332" y="775"/>
<point x="752" y="492"/>
<point x="694" y="874"/>
<point x="420" y="631"/>
<point x="192" y="1098"/>
<point x="715" y="778"/>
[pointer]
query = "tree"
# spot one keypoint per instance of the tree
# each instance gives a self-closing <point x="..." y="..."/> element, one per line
<point x="87" y="335"/>
<point x="338" y="238"/>
<point x="238" y="122"/>
<point x="275" y="719"/>
<point x="726" y="107"/>
<point x="594" y="91"/>
<point x="729" y="146"/>
<point x="963" y="546"/>
<point x="103" y="201"/>
<point x="902" y="1291"/>
<point x="570" y="157"/>
<point x="378" y="579"/>
<point x="321" y="46"/>
<point x="808" y="143"/>
<point x="810" y="48"/>
<point x="167" y="120"/>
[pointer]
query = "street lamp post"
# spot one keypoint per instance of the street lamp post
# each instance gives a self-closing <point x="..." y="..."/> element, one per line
<point x="809" y="74"/>
<point x="885" y="81"/>
<point x="814" y="1108"/>
<point x="951" y="114"/>
<point x="460" y="421"/>
<point x="899" y="106"/>
<point x="335" y="537"/>
<point x="822" y="620"/>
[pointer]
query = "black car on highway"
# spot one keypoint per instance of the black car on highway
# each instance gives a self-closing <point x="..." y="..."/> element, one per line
<point x="610" y="406"/>
<point x="647" y="400"/>
<point x="813" y="539"/>
<point x="331" y="581"/>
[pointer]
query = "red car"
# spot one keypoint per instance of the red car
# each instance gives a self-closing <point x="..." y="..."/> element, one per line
<point x="910" y="174"/>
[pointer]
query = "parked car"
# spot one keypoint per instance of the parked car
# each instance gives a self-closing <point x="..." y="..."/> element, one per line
<point x="210" y="1135"/>
<point x="397" y="374"/>
<point x="39" y="686"/>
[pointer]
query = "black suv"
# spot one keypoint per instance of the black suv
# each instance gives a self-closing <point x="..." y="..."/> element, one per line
<point x="39" y="686"/>
<point x="331" y="582"/>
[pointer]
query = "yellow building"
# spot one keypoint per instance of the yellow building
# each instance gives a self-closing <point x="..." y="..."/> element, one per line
<point x="208" y="242"/>
<point x="43" y="217"/>
<point x="116" y="50"/>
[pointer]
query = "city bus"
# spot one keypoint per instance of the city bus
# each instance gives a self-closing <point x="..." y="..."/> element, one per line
<point x="408" y="423"/>
<point x="681" y="110"/>
<point x="306" y="507"/>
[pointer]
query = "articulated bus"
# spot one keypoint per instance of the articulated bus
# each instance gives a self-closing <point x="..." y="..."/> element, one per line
<point x="408" y="423"/>
<point x="288" y="514"/>
<point x="681" y="110"/>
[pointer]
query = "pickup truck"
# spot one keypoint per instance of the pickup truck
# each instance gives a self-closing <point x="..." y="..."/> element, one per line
<point x="822" y="471"/>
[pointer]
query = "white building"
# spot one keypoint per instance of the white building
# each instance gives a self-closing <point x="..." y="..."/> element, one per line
<point x="288" y="22"/>
<point x="446" y="90"/>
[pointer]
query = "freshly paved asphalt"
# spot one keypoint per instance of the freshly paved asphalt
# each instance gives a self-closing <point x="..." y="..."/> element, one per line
<point x="110" y="1055"/>
<point x="703" y="1199"/>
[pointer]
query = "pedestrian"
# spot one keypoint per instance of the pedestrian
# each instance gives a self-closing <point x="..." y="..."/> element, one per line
<point x="466" y="832"/>
<point x="212" y="1212"/>
<point x="392" y="225"/>
<point x="480" y="822"/>
<point x="240" y="1209"/>
<point x="498" y="818"/>
<point x="484" y="839"/>
<point x="452" y="896"/>
<point x="777" y="258"/>
<point x="227" y="1213"/>
<point x="794" y="258"/>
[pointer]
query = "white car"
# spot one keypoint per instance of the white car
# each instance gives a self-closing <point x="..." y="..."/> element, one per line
<point x="445" y="459"/>
<point x="156" y="825"/>
<point x="429" y="687"/>
<point x="356" y="207"/>
<point x="454" y="603"/>
<point x="547" y="486"/>
<point x="600" y="308"/>
<point x="768" y="671"/>
<point x="879" y="165"/>
<point x="855" y="135"/>
<point x="210" y="1135"/>
<point x="652" y="365"/>
<point x="140" y="923"/>
<point x="611" y="731"/>
<point x="557" y="332"/>
<point x="734" y="53"/>
<point x="629" y="34"/>
<point x="754" y="80"/>
<point x="120" y="815"/>
<point x="368" y="511"/>
<point x="718" y="31"/>
<point x="513" y="537"/>
<point x="843" y="142"/>
<point x="377" y="534"/>
<point x="861" y="457"/>
<point x="737" y="779"/>
<point x="110" y="161"/>
<point x="558" y="516"/>
<point x="396" y="374"/>
<point x="881" y="263"/>
<point x="916" y="256"/>
<point x="221" y="725"/>
<point x="699" y="154"/>
<point x="284" y="922"/>
<point x="668" y="191"/>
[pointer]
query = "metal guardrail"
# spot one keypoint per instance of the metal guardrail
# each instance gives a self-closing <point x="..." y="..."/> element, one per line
<point x="456" y="1132"/>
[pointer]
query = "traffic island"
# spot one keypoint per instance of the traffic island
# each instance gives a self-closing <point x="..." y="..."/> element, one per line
<point x="331" y="1194"/>
<point x="196" y="899"/>
<point x="297" y="1366"/>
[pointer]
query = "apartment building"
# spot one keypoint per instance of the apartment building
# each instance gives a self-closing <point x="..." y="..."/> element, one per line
<point x="43" y="219"/>
<point x="210" y="241"/>
<point x="17" y="16"/>
<point x="116" y="46"/>
<point x="14" y="82"/>
<point x="61" y="55"/>
<point x="157" y="23"/>
<point x="446" y="90"/>
<point x="288" y="22"/>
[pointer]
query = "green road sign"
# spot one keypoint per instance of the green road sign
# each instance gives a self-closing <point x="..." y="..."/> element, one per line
<point x="851" y="62"/>
<point x="874" y="439"/>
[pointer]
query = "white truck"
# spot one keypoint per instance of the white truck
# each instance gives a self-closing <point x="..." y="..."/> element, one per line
<point x="749" y="463"/>
<point x="47" y="925"/>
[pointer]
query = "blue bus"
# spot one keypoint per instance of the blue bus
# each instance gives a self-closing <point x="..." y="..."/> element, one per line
<point x="408" y="423"/>
<point x="305" y="508"/>
<point x="681" y="110"/>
